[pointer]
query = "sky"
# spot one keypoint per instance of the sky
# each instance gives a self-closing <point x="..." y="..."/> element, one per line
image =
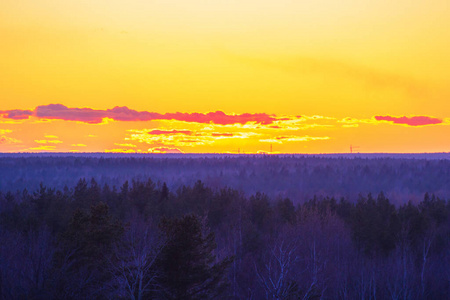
<point x="205" y="76"/>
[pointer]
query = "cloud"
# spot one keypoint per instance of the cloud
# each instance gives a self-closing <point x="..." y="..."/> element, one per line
<point x="87" y="115"/>
<point x="5" y="131"/>
<point x="16" y="114"/>
<point x="179" y="138"/>
<point x="303" y="138"/>
<point x="79" y="145"/>
<point x="354" y="122"/>
<point x="8" y="140"/>
<point x="62" y="112"/>
<point x="221" y="118"/>
<point x="225" y="134"/>
<point x="123" y="113"/>
<point x="306" y="138"/>
<point x="125" y="145"/>
<point x="43" y="148"/>
<point x="120" y="151"/>
<point x="189" y="142"/>
<point x="164" y="150"/>
<point x="254" y="121"/>
<point x="410" y="121"/>
<point x="48" y="141"/>
<point x="169" y="132"/>
<point x="271" y="141"/>
<point x="51" y="136"/>
<point x="163" y="139"/>
<point x="263" y="152"/>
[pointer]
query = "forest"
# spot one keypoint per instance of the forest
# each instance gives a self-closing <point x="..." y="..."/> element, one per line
<point x="147" y="239"/>
<point x="403" y="177"/>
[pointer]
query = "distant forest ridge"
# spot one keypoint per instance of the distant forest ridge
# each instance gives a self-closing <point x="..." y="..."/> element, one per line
<point x="434" y="155"/>
<point x="402" y="177"/>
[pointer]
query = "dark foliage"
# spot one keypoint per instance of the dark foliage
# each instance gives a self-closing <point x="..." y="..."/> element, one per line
<point x="187" y="263"/>
<point x="102" y="241"/>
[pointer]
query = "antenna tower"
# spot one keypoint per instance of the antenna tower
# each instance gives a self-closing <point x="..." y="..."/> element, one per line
<point x="353" y="148"/>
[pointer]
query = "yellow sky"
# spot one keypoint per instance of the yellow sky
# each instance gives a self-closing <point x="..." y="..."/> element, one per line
<point x="337" y="59"/>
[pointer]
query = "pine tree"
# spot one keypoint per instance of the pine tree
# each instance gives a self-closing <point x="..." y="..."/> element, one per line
<point x="188" y="266"/>
<point x="86" y="247"/>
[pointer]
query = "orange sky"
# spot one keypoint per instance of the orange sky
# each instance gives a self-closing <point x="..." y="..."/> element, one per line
<point x="314" y="76"/>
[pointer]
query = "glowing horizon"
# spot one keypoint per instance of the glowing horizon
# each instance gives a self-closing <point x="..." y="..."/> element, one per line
<point x="124" y="130"/>
<point x="215" y="77"/>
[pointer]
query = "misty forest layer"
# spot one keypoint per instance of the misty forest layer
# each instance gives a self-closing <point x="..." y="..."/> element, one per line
<point x="401" y="177"/>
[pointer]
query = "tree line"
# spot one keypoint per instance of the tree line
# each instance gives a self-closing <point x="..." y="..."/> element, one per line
<point x="142" y="240"/>
<point x="296" y="177"/>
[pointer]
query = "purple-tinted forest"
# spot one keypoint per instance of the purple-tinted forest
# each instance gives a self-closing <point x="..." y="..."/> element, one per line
<point x="403" y="177"/>
<point x="216" y="227"/>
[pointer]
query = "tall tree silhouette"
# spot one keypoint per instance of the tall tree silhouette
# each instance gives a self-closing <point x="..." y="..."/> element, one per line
<point x="187" y="263"/>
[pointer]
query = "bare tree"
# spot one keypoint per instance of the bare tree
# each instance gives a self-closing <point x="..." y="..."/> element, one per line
<point x="400" y="268"/>
<point x="316" y="266"/>
<point x="315" y="253"/>
<point x="426" y="246"/>
<point x="275" y="278"/>
<point x="132" y="266"/>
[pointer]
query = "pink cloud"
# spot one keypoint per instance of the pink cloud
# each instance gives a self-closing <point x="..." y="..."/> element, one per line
<point x="123" y="113"/>
<point x="222" y="134"/>
<point x="169" y="132"/>
<point x="410" y="121"/>
<point x="221" y="118"/>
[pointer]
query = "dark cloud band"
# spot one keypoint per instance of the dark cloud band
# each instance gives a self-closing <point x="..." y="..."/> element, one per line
<point x="95" y="116"/>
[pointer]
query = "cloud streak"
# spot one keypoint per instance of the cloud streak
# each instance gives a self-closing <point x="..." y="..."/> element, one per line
<point x="43" y="148"/>
<point x="190" y="132"/>
<point x="170" y="132"/>
<point x="123" y="113"/>
<point x="48" y="141"/>
<point x="7" y="140"/>
<point x="410" y="121"/>
<point x="306" y="138"/>
<point x="225" y="134"/>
